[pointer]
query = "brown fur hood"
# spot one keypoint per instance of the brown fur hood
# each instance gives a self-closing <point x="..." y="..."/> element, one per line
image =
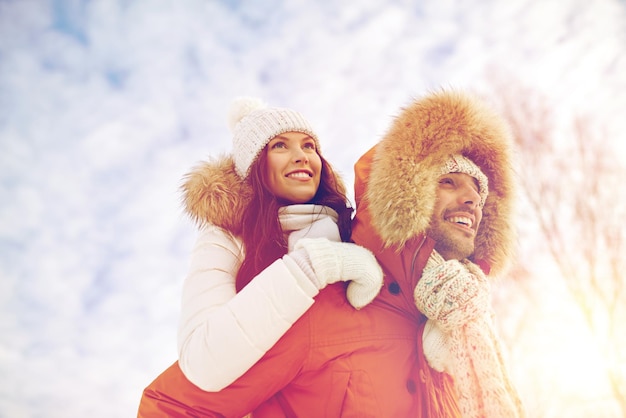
<point x="400" y="192"/>
<point x="213" y="193"/>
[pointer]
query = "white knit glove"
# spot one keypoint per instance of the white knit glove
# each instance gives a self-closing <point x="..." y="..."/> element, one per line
<point x="436" y="347"/>
<point x="327" y="262"/>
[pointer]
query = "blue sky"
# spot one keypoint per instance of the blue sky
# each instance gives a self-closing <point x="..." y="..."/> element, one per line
<point x="105" y="105"/>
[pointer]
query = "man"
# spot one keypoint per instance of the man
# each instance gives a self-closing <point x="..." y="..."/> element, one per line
<point x="434" y="202"/>
<point x="419" y="213"/>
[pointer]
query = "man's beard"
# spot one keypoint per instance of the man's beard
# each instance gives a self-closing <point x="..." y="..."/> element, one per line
<point x="447" y="241"/>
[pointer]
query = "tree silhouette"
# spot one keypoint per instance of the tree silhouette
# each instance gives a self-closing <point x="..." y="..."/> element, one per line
<point x="575" y="186"/>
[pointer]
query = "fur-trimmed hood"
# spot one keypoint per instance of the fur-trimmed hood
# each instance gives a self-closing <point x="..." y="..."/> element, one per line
<point x="399" y="193"/>
<point x="213" y="193"/>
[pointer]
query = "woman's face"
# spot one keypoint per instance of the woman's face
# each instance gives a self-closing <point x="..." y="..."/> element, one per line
<point x="293" y="167"/>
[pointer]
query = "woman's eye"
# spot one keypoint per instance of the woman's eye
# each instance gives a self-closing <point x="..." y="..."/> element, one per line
<point x="310" y="145"/>
<point x="446" y="181"/>
<point x="278" y="145"/>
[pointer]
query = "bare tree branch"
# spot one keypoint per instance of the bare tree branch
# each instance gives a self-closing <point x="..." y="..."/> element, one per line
<point x="574" y="186"/>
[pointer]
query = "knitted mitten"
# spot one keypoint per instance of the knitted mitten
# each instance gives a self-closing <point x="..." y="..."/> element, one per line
<point x="436" y="347"/>
<point x="331" y="262"/>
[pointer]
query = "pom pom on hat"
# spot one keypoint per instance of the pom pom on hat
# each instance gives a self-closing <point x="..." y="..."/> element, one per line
<point x="241" y="107"/>
<point x="254" y="124"/>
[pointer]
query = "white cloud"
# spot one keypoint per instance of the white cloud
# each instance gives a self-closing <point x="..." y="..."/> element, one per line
<point x="105" y="105"/>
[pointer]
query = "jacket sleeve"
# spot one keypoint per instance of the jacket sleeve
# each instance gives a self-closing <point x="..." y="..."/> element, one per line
<point x="172" y="395"/>
<point x="223" y="333"/>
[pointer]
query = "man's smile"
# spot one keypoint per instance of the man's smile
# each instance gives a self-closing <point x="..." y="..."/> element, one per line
<point x="461" y="220"/>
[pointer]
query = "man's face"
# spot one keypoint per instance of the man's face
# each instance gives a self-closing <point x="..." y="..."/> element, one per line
<point x="456" y="216"/>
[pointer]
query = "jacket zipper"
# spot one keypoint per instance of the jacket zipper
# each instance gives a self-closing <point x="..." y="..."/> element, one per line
<point x="417" y="250"/>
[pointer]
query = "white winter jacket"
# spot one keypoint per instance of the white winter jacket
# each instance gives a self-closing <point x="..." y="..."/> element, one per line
<point x="222" y="333"/>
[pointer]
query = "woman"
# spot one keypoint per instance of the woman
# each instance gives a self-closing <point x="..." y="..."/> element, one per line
<point x="243" y="290"/>
<point x="273" y="218"/>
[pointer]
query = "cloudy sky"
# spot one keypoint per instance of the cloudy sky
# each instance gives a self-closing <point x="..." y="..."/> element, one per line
<point x="105" y="105"/>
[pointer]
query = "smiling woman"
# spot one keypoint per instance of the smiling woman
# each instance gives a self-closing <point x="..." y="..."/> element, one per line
<point x="274" y="219"/>
<point x="293" y="167"/>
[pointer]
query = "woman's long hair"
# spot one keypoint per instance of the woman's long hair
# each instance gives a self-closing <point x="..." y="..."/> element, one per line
<point x="262" y="234"/>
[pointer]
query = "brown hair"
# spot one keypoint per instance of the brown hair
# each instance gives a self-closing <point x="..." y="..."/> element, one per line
<point x="262" y="233"/>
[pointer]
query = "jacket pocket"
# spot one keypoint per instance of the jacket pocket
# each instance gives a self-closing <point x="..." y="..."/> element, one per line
<point x="338" y="394"/>
<point x="352" y="395"/>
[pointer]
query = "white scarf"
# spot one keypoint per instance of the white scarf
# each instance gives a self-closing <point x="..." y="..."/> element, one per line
<point x="308" y="220"/>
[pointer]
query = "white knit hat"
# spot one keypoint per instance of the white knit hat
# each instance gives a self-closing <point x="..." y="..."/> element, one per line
<point x="254" y="124"/>
<point x="458" y="163"/>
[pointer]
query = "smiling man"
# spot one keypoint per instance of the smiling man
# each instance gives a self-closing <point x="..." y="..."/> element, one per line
<point x="461" y="193"/>
<point x="435" y="204"/>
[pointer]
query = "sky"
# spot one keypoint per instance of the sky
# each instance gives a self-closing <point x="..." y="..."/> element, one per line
<point x="105" y="105"/>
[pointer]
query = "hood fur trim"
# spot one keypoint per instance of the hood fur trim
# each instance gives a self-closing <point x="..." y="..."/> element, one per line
<point x="213" y="193"/>
<point x="402" y="185"/>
